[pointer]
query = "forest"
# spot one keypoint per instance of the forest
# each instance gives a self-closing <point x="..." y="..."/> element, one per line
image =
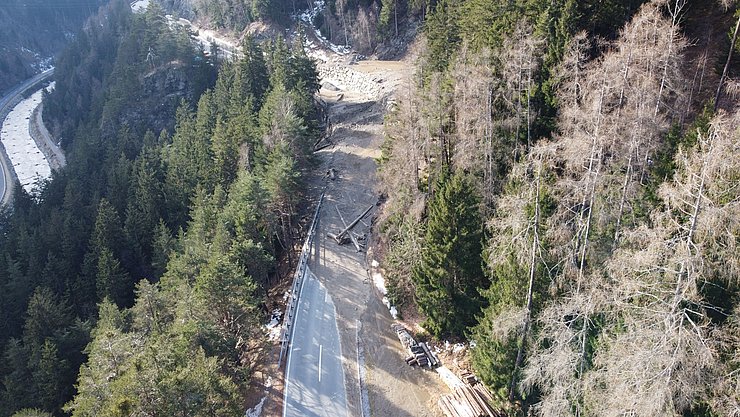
<point x="562" y="191"/>
<point x="133" y="283"/>
<point x="33" y="31"/>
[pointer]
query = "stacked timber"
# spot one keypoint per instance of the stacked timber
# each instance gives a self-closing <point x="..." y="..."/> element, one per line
<point x="469" y="401"/>
<point x="419" y="353"/>
<point x="403" y="335"/>
<point x="469" y="377"/>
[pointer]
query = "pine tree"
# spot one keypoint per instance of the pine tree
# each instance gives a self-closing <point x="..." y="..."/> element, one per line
<point x="253" y="70"/>
<point x="443" y="34"/>
<point x="112" y="281"/>
<point x="162" y="245"/>
<point x="450" y="276"/>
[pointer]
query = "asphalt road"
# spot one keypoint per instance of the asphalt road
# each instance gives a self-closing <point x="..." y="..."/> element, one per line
<point x="6" y="101"/>
<point x="314" y="384"/>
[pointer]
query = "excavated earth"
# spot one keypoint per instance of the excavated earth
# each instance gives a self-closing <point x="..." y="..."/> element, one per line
<point x="378" y="380"/>
<point x="380" y="383"/>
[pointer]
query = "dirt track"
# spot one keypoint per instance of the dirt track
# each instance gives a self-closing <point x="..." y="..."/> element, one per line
<point x="388" y="387"/>
<point x="392" y="388"/>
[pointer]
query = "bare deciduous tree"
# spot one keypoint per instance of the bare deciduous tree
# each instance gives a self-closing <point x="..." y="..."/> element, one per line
<point x="614" y="113"/>
<point x="493" y="111"/>
<point x="660" y="354"/>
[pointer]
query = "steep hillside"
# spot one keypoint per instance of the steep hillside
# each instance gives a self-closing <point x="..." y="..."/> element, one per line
<point x="585" y="137"/>
<point x="33" y="31"/>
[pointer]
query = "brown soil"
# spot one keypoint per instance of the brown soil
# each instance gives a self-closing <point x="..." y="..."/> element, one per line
<point x="391" y="387"/>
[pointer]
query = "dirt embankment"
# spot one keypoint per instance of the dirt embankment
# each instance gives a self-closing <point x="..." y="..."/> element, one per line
<point x="379" y="382"/>
<point x="44" y="140"/>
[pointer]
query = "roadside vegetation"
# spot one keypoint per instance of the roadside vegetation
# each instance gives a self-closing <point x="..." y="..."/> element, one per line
<point x="589" y="248"/>
<point x="133" y="284"/>
<point x="560" y="183"/>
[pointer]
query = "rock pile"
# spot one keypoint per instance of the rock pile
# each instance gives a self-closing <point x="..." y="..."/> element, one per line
<point x="346" y="78"/>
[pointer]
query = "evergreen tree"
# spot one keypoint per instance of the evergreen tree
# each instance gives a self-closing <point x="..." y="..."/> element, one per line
<point x="162" y="245"/>
<point x="443" y="35"/>
<point x="112" y="281"/>
<point x="450" y="276"/>
<point x="253" y="71"/>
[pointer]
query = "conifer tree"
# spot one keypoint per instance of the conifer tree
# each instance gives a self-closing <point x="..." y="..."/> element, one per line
<point x="443" y="34"/>
<point x="450" y="276"/>
<point x="514" y="256"/>
<point x="253" y="70"/>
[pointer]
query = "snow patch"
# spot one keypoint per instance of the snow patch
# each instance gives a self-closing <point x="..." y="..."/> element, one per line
<point x="256" y="411"/>
<point x="29" y="164"/>
<point x="273" y="328"/>
<point x="312" y="50"/>
<point x="458" y="347"/>
<point x="379" y="282"/>
<point x="139" y="6"/>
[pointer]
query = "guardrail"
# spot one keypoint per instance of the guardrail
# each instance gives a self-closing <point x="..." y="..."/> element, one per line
<point x="286" y="334"/>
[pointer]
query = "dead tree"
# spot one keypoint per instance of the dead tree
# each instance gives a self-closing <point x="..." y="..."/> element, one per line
<point x="727" y="65"/>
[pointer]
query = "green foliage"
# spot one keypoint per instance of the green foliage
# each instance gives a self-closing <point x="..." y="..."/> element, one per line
<point x="443" y="35"/>
<point x="29" y="412"/>
<point x="237" y="14"/>
<point x="199" y="206"/>
<point x="388" y="19"/>
<point x="402" y="259"/>
<point x="281" y="124"/>
<point x="449" y="277"/>
<point x="45" y="357"/>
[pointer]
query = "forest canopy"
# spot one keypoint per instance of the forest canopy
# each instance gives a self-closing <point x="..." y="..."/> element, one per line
<point x="136" y="278"/>
<point x="608" y="226"/>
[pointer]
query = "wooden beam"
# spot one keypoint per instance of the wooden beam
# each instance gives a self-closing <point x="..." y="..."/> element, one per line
<point x="351" y="236"/>
<point x="354" y="222"/>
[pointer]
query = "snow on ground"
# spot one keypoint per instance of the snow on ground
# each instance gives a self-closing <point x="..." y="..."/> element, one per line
<point x="139" y="6"/>
<point x="379" y="282"/>
<point x="257" y="410"/>
<point x="205" y="37"/>
<point x="29" y="164"/>
<point x="312" y="50"/>
<point x="273" y="328"/>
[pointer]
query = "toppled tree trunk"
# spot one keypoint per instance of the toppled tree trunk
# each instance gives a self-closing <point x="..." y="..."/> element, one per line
<point x="727" y="65"/>
<point x="353" y="224"/>
<point x="351" y="236"/>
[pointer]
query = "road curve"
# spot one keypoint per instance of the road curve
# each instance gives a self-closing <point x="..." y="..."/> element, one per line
<point x="314" y="381"/>
<point x="7" y="102"/>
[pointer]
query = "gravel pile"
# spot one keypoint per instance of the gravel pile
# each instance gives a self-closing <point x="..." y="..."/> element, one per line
<point x="346" y="78"/>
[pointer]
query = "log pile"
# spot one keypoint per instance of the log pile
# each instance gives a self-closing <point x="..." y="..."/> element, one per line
<point x="469" y="377"/>
<point x="419" y="353"/>
<point x="469" y="401"/>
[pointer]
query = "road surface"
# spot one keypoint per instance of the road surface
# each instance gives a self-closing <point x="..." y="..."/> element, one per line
<point x="314" y="384"/>
<point x="6" y="104"/>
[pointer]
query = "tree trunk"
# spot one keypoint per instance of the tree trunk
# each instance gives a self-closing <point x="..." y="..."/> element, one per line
<point x="727" y="65"/>
<point x="582" y="238"/>
<point x="530" y="290"/>
<point x="674" y="23"/>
